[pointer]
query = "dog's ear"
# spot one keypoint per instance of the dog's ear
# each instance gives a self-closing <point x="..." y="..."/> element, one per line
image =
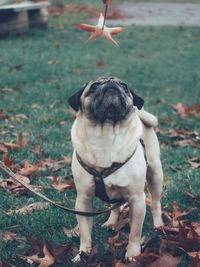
<point x="137" y="100"/>
<point x="75" y="99"/>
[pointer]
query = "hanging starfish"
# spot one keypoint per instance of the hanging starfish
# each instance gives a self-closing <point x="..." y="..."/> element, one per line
<point x="101" y="30"/>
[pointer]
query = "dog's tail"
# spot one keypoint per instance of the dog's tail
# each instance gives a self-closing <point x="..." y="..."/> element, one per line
<point x="147" y="118"/>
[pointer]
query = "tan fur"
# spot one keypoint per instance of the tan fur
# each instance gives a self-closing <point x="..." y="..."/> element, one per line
<point x="100" y="146"/>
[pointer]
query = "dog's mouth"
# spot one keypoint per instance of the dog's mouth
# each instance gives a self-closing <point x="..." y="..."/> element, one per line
<point x="108" y="104"/>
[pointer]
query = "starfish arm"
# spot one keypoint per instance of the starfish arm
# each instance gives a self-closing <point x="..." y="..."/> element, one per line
<point x="86" y="27"/>
<point x="116" y="30"/>
<point x="108" y="37"/>
<point x="95" y="35"/>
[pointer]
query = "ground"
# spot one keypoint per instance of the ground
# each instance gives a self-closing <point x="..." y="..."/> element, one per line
<point x="45" y="66"/>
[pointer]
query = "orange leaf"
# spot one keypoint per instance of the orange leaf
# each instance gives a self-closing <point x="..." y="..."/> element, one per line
<point x="62" y="186"/>
<point x="7" y="161"/>
<point x="29" y="169"/>
<point x="46" y="261"/>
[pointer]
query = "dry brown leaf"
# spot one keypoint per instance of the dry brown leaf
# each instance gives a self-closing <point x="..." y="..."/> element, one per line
<point x="195" y="197"/>
<point x="46" y="261"/>
<point x="195" y="254"/>
<point x="74" y="232"/>
<point x="166" y="260"/>
<point x="18" y="117"/>
<point x="37" y="149"/>
<point x="9" y="236"/>
<point x="185" y="110"/>
<point x="183" y="137"/>
<point x="194" y="162"/>
<point x="62" y="186"/>
<point x="187" y="142"/>
<point x="8" y="90"/>
<point x="3" y="148"/>
<point x="11" y="145"/>
<point x="29" y="169"/>
<point x="67" y="159"/>
<point x="35" y="106"/>
<point x="30" y="208"/>
<point x="7" y="161"/>
<point x="101" y="63"/>
<point x="177" y="213"/>
<point x="55" y="165"/>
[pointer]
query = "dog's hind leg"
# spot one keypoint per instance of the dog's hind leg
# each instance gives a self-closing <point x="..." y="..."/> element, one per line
<point x="154" y="173"/>
<point x="114" y="214"/>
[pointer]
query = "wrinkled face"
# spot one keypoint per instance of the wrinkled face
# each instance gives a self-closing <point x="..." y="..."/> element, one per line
<point x="107" y="99"/>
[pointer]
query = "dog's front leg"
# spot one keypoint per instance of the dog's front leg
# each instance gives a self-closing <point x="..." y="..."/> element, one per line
<point x="84" y="203"/>
<point x="137" y="213"/>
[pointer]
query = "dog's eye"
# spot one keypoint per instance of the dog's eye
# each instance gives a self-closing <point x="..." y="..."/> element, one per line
<point x="125" y="87"/>
<point x="94" y="87"/>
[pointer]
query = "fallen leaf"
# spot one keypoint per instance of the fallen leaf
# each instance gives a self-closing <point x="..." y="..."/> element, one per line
<point x="28" y="169"/>
<point x="10" y="236"/>
<point x="30" y="208"/>
<point x="183" y="137"/>
<point x="3" y="116"/>
<point x="60" y="252"/>
<point x="185" y="110"/>
<point x="67" y="159"/>
<point x="54" y="165"/>
<point x="101" y="30"/>
<point x="34" y="105"/>
<point x="62" y="186"/>
<point x="187" y="142"/>
<point x="189" y="236"/>
<point x="100" y="63"/>
<point x="7" y="161"/>
<point x="18" y="117"/>
<point x="197" y="197"/>
<point x="194" y="162"/>
<point x="37" y="149"/>
<point x="10" y="145"/>
<point x="46" y="261"/>
<point x="7" y="89"/>
<point x="177" y="213"/>
<point x="167" y="260"/>
<point x="3" y="148"/>
<point x="74" y="232"/>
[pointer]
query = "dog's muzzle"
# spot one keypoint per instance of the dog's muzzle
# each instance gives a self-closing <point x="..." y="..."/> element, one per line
<point x="109" y="104"/>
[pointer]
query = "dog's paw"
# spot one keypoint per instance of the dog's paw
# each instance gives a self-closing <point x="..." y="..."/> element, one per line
<point x="82" y="255"/>
<point x="133" y="250"/>
<point x="109" y="225"/>
<point x="158" y="222"/>
<point x="77" y="258"/>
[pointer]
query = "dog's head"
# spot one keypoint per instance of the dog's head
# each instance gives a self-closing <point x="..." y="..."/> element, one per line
<point x="107" y="99"/>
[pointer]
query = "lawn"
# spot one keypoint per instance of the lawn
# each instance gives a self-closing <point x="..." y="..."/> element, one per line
<point x="45" y="67"/>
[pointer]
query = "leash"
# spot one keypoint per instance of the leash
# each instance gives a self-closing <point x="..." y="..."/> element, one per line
<point x="77" y="212"/>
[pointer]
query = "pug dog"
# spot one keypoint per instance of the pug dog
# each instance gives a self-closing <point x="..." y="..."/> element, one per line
<point x="110" y="123"/>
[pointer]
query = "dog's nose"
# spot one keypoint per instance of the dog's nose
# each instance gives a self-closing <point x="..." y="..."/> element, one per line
<point x="111" y="86"/>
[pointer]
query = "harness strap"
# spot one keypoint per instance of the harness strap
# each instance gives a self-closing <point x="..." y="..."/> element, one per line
<point x="98" y="177"/>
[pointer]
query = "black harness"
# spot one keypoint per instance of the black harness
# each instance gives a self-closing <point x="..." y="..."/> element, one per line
<point x="99" y="177"/>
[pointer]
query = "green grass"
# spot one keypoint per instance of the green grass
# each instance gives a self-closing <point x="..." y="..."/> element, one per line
<point x="160" y="63"/>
